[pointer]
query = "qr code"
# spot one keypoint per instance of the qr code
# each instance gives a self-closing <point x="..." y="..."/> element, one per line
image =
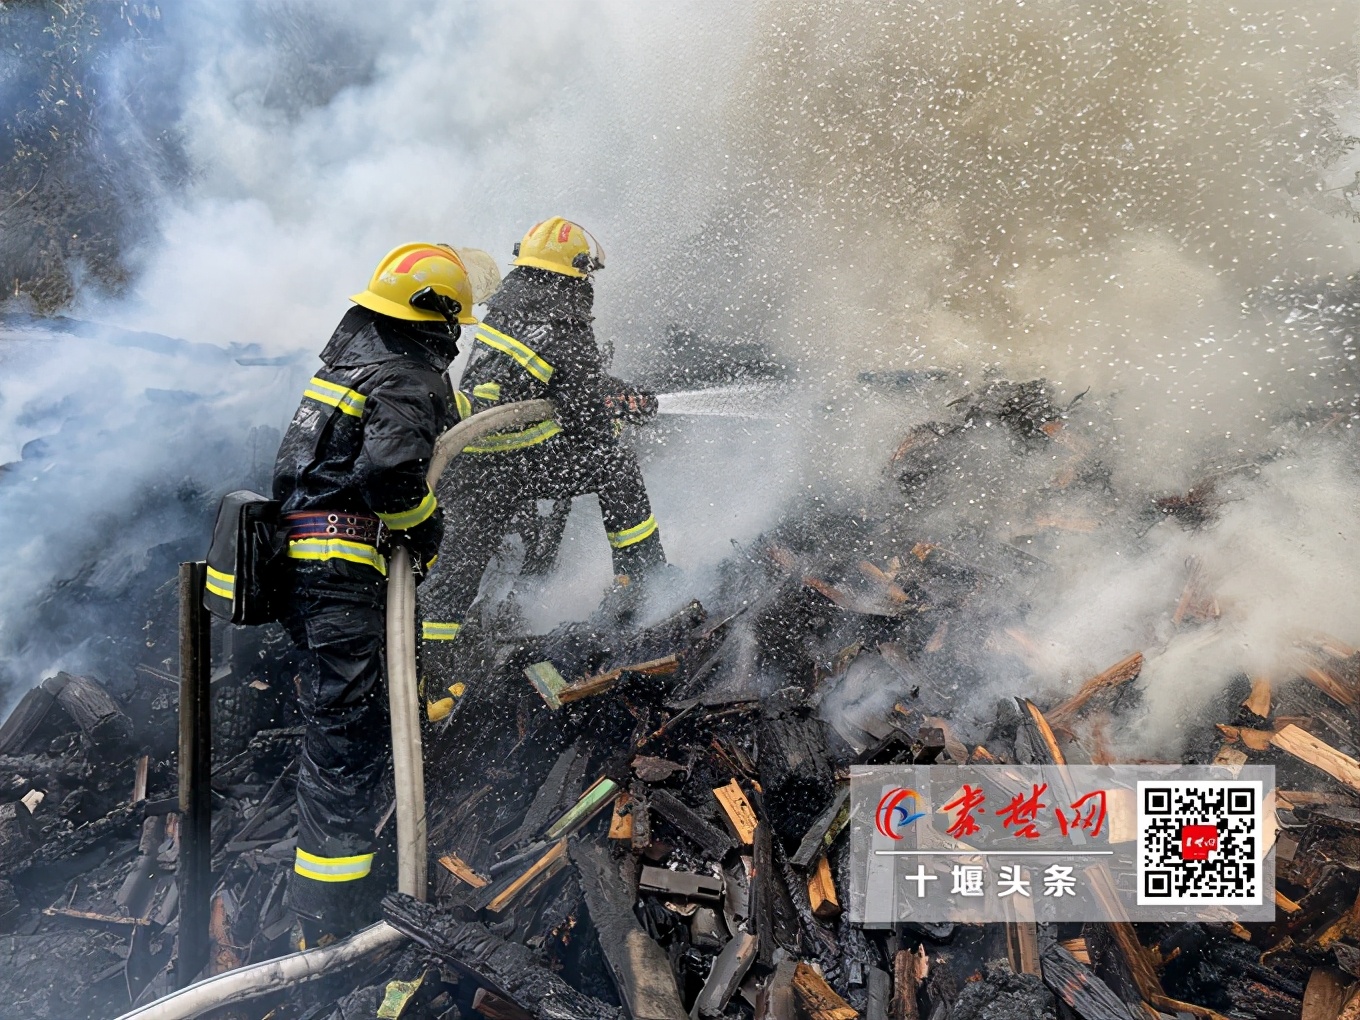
<point x="1200" y="842"/>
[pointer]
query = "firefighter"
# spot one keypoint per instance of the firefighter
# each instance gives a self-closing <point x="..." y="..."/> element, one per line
<point x="350" y="476"/>
<point x="536" y="340"/>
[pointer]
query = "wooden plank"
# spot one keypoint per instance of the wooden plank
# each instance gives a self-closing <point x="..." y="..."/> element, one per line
<point x="637" y="965"/>
<point x="548" y="682"/>
<point x="1169" y="1005"/>
<point x="1330" y="686"/>
<point x="1044" y="731"/>
<point x="1122" y="672"/>
<point x="24" y="721"/>
<point x="824" y="830"/>
<point x="463" y="871"/>
<point x="1321" y="755"/>
<point x="591" y="803"/>
<point x="817" y="998"/>
<point x="493" y="1007"/>
<point x="1022" y="939"/>
<point x="139" y="778"/>
<point x="642" y="817"/>
<point x="1125" y="939"/>
<point x="724" y="976"/>
<point x="194" y="869"/>
<point x="549" y="864"/>
<point x="621" y="822"/>
<point x="776" y="998"/>
<point x="1077" y="947"/>
<point x="1325" y="995"/>
<point x="1258" y="701"/>
<point x="904" y="1005"/>
<point x="822" y="892"/>
<point x="86" y="915"/>
<point x="712" y="841"/>
<point x="762" y="893"/>
<point x="1252" y="739"/>
<point x="1285" y="903"/>
<point x="741" y="820"/>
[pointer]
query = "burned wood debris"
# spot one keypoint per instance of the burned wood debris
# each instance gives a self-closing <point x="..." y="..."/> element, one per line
<point x="653" y="824"/>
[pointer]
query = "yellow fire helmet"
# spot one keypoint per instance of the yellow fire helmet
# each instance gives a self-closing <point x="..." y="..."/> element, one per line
<point x="420" y="283"/>
<point x="560" y="246"/>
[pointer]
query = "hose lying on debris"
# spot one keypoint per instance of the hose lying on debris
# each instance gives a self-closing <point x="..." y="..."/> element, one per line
<point x="259" y="979"/>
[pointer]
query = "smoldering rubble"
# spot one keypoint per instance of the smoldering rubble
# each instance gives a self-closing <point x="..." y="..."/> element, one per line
<point x="650" y="821"/>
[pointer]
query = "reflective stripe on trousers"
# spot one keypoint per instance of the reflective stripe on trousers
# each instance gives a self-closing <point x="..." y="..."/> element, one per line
<point x="332" y="869"/>
<point x="632" y="536"/>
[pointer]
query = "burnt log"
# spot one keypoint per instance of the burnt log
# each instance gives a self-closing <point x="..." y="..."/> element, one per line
<point x="1077" y="985"/>
<point x="795" y="774"/>
<point x="105" y="727"/>
<point x="691" y="825"/>
<point x="25" y="720"/>
<point x="637" y="965"/>
<point x="506" y="969"/>
<point x="762" y="893"/>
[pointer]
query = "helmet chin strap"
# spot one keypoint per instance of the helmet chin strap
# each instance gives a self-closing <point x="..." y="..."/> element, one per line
<point x="440" y="337"/>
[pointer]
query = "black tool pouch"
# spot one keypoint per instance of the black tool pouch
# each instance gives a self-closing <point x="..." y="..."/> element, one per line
<point x="242" y="559"/>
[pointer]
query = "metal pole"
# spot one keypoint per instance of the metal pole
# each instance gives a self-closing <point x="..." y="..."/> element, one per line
<point x="195" y="774"/>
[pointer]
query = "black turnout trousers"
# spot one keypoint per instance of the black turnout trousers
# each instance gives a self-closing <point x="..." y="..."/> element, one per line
<point x="336" y="615"/>
<point x="483" y="493"/>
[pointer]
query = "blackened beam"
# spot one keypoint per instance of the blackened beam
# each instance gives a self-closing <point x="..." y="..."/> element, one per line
<point x="639" y="967"/>
<point x="195" y="774"/>
<point x="507" y="969"/>
<point x="823" y="832"/>
<point x="711" y="840"/>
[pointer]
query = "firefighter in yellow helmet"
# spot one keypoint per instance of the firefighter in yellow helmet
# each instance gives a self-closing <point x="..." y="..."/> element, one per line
<point x="350" y="475"/>
<point x="536" y="340"/>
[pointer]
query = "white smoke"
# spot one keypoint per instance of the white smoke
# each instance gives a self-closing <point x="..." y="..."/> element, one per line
<point x="1087" y="193"/>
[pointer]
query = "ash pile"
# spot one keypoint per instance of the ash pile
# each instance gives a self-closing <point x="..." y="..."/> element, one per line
<point x="650" y="821"/>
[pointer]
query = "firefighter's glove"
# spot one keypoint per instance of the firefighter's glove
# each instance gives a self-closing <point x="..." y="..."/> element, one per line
<point x="440" y="691"/>
<point x="632" y="406"/>
<point x="423" y="543"/>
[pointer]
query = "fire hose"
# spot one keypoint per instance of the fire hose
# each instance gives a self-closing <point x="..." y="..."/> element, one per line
<point x="408" y="770"/>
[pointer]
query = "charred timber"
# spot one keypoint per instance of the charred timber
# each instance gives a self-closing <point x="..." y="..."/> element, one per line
<point x="507" y="969"/>
<point x="714" y="842"/>
<point x="637" y="965"/>
<point x="795" y="774"/>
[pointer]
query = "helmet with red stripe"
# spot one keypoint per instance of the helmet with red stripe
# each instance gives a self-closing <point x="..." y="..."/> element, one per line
<point x="420" y="283"/>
